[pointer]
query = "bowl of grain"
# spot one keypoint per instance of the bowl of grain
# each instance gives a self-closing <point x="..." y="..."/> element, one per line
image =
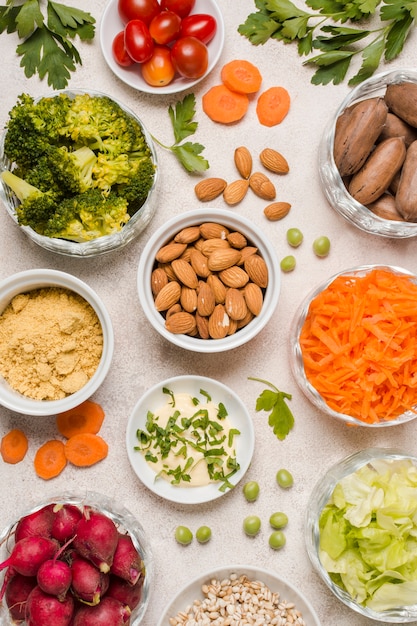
<point x="56" y="342"/>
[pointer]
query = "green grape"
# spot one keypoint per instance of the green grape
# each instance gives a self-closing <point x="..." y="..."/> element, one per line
<point x="278" y="520"/>
<point x="203" y="534"/>
<point x="321" y="246"/>
<point x="277" y="540"/>
<point x="288" y="263"/>
<point x="252" y="525"/>
<point x="284" y="478"/>
<point x="183" y="535"/>
<point x="294" y="237"/>
<point x="251" y="491"/>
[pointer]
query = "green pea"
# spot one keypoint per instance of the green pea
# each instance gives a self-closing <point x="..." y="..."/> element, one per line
<point x="284" y="478"/>
<point x="321" y="246"/>
<point x="183" y="535"/>
<point x="288" y="263"/>
<point x="251" y="491"/>
<point x="252" y="525"/>
<point x="278" y="520"/>
<point x="203" y="534"/>
<point x="294" y="237"/>
<point x="277" y="540"/>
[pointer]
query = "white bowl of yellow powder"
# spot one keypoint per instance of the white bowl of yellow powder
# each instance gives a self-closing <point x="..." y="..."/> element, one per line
<point x="56" y="342"/>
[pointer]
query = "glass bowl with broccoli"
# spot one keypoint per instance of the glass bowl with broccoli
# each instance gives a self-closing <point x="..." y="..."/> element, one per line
<point x="78" y="172"/>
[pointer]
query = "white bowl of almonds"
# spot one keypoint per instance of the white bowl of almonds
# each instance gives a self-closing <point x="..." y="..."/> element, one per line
<point x="239" y="592"/>
<point x="208" y="281"/>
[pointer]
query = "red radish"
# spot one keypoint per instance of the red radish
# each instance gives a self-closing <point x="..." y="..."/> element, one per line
<point x="96" y="539"/>
<point x="54" y="577"/>
<point x="127" y="562"/>
<point x="43" y="609"/>
<point x="126" y="593"/>
<point x="109" y="612"/>
<point x="66" y="518"/>
<point x="29" y="553"/>
<point x="17" y="592"/>
<point x="37" y="524"/>
<point x="88" y="583"/>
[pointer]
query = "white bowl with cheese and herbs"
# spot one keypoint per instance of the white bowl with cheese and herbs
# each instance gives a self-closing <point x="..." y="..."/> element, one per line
<point x="190" y="439"/>
<point x="57" y="342"/>
<point x="360" y="532"/>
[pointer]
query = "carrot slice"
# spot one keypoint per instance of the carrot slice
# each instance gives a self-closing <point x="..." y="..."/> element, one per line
<point x="50" y="459"/>
<point x="87" y="417"/>
<point x="222" y="105"/>
<point x="272" y="106"/>
<point x="85" y="449"/>
<point x="14" y="446"/>
<point x="241" y="76"/>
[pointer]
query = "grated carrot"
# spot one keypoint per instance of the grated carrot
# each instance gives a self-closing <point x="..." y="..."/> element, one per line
<point x="359" y="345"/>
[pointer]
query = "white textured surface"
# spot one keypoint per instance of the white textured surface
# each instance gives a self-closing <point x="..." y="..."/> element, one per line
<point x="142" y="357"/>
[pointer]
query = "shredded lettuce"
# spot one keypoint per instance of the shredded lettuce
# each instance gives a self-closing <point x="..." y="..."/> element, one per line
<point x="368" y="534"/>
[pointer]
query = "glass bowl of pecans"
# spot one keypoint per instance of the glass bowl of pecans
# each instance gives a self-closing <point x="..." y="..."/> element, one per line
<point x="208" y="282"/>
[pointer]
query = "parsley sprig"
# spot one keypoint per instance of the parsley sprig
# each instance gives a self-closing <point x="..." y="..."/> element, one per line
<point x="274" y="402"/>
<point x="184" y="125"/>
<point x="323" y="29"/>
<point x="47" y="47"/>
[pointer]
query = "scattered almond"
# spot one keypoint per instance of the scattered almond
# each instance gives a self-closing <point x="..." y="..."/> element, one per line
<point x="209" y="189"/>
<point x="235" y="191"/>
<point x="277" y="210"/>
<point x="274" y="161"/>
<point x="262" y="186"/>
<point x="243" y="161"/>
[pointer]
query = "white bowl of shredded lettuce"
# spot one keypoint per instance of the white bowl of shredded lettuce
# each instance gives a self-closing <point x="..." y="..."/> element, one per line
<point x="361" y="533"/>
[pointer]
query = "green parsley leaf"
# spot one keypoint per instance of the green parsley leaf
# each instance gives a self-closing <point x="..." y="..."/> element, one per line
<point x="182" y="118"/>
<point x="273" y="401"/>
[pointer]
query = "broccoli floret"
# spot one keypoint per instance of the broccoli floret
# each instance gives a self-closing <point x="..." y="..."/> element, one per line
<point x="36" y="206"/>
<point x="73" y="171"/>
<point x="41" y="176"/>
<point x="87" y="216"/>
<point x="137" y="188"/>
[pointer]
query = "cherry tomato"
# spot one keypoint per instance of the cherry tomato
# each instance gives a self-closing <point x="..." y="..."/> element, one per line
<point x="165" y="27"/>
<point x="159" y="70"/>
<point x="180" y="7"/>
<point x="190" y="57"/>
<point x="120" y="54"/>
<point x="200" y="25"/>
<point x="138" y="10"/>
<point x="138" y="41"/>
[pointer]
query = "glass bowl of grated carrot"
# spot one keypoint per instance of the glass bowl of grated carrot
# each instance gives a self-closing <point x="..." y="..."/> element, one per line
<point x="354" y="346"/>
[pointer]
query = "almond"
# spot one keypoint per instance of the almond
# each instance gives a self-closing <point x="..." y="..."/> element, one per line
<point x="209" y="189"/>
<point x="168" y="270"/>
<point x="218" y="323"/>
<point x="234" y="276"/>
<point x="274" y="161"/>
<point x="171" y="251"/>
<point x="254" y="298"/>
<point x="188" y="299"/>
<point x="185" y="273"/>
<point x="210" y="245"/>
<point x="248" y="318"/>
<point x="212" y="230"/>
<point x="277" y="210"/>
<point x="181" y="323"/>
<point x="221" y="259"/>
<point x="175" y="308"/>
<point x="159" y="278"/>
<point x="199" y="263"/>
<point x="235" y="191"/>
<point x="237" y="240"/>
<point x="246" y="252"/>
<point x="262" y="186"/>
<point x="235" y="304"/>
<point x="257" y="270"/>
<point x="188" y="235"/>
<point x="206" y="300"/>
<point x="202" y="326"/>
<point x="243" y="161"/>
<point x="218" y="288"/>
<point x="232" y="327"/>
<point x="169" y="295"/>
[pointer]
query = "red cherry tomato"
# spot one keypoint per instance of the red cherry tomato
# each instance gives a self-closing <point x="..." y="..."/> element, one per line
<point x="200" y="25"/>
<point x="159" y="70"/>
<point x="180" y="7"/>
<point x="138" y="10"/>
<point x="165" y="27"/>
<point x="138" y="41"/>
<point x="119" y="51"/>
<point x="190" y="57"/>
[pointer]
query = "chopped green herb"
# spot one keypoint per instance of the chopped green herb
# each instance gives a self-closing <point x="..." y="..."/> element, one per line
<point x="280" y="418"/>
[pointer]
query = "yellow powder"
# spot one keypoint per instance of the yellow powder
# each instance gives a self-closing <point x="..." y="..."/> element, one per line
<point x="51" y="343"/>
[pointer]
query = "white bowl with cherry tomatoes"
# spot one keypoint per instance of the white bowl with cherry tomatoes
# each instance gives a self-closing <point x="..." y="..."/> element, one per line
<point x="161" y="46"/>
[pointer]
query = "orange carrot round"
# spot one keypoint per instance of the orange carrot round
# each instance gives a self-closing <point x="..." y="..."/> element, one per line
<point x="241" y="76"/>
<point x="223" y="105"/>
<point x="272" y="106"/>
<point x="85" y="449"/>
<point x="14" y="446"/>
<point x="87" y="417"/>
<point x="50" y="459"/>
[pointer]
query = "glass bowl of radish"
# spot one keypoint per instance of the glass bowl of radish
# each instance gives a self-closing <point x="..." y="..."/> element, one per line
<point x="360" y="532"/>
<point x="75" y="559"/>
<point x="352" y="346"/>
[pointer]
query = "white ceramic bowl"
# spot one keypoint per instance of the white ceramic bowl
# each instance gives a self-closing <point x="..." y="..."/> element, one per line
<point x="111" y="24"/>
<point x="108" y="243"/>
<point x="296" y="357"/>
<point x="35" y="279"/>
<point x="154" y="399"/>
<point x="332" y="183"/>
<point x="233" y="222"/>
<point x="124" y="520"/>
<point x="320" y="497"/>
<point x="192" y="591"/>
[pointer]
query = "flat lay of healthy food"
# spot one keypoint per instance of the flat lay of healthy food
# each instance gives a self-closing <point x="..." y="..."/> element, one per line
<point x="208" y="313"/>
